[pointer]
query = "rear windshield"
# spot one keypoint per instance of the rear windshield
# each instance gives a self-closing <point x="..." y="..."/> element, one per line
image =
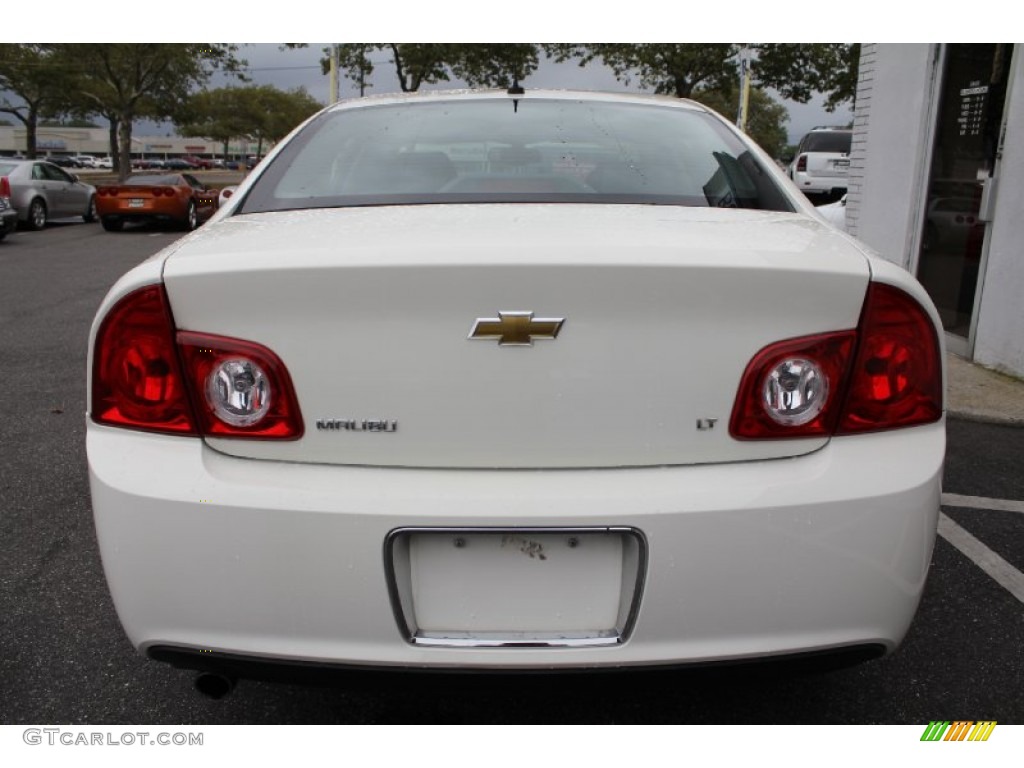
<point x="7" y="168"/>
<point x="830" y="141"/>
<point x="500" y="150"/>
<point x="168" y="181"/>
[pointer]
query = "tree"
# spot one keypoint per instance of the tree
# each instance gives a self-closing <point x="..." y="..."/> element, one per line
<point x="766" y="118"/>
<point x="260" y="113"/>
<point x="73" y="122"/>
<point x="798" y="70"/>
<point x="38" y="78"/>
<point x="277" y="112"/>
<point x="132" y="80"/>
<point x="219" y="115"/>
<point x="495" y="65"/>
<point x="671" y="68"/>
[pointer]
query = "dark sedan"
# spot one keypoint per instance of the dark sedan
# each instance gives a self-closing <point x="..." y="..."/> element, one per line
<point x="64" y="162"/>
<point x="8" y="218"/>
<point x="177" y="164"/>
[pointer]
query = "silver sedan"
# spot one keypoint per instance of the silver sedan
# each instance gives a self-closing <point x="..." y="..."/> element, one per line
<point x="40" y="191"/>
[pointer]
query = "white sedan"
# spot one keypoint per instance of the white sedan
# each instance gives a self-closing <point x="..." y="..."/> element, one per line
<point x="514" y="381"/>
<point x="835" y="213"/>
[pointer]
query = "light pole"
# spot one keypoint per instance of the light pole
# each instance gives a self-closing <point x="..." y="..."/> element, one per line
<point x="335" y="94"/>
<point x="741" y="117"/>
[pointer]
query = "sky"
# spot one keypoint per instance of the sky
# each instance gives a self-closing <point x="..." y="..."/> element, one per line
<point x="474" y="21"/>
<point x="269" y="65"/>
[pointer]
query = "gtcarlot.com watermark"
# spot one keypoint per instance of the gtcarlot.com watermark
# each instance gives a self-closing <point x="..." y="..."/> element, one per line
<point x="69" y="737"/>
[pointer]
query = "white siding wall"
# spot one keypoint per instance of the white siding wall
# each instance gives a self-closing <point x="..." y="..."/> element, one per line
<point x="999" y="340"/>
<point x="891" y="124"/>
<point x="861" y="118"/>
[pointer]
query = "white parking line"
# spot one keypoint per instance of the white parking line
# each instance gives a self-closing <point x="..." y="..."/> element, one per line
<point x="980" y="502"/>
<point x="1004" y="574"/>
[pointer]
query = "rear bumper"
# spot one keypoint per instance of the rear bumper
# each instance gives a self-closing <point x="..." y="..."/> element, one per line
<point x="236" y="667"/>
<point x="820" y="185"/>
<point x="164" y="209"/>
<point x="207" y="554"/>
<point x="8" y="221"/>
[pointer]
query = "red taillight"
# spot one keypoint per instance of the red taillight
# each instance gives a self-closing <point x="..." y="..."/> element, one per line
<point x="886" y="374"/>
<point x="896" y="379"/>
<point x="136" y="376"/>
<point x="801" y="163"/>
<point x="5" y="187"/>
<point x="269" y="408"/>
<point x="753" y="418"/>
<point x="138" y="380"/>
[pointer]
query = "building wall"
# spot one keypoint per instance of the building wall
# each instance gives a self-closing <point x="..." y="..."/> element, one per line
<point x="999" y="339"/>
<point x="858" y="147"/>
<point x="897" y="105"/>
<point x="888" y="159"/>
<point x="96" y="141"/>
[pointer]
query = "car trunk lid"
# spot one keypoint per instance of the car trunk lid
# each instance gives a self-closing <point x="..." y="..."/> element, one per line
<point x="659" y="310"/>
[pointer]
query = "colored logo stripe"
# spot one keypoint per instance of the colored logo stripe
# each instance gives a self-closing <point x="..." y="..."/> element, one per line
<point x="958" y="730"/>
<point x="982" y="730"/>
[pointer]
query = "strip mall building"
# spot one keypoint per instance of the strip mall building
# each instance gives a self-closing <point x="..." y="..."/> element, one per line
<point x="60" y="141"/>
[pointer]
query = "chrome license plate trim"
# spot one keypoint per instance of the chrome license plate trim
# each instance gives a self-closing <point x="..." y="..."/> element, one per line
<point x="397" y="571"/>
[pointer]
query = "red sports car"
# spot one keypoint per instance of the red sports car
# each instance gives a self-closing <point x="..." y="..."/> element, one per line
<point x="175" y="198"/>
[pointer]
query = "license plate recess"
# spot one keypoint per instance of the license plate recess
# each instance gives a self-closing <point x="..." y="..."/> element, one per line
<point x="533" y="587"/>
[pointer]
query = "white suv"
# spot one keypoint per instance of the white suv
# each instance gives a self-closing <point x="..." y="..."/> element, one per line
<point x="822" y="161"/>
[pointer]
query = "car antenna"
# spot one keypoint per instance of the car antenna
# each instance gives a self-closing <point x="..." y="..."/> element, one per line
<point x="515" y="90"/>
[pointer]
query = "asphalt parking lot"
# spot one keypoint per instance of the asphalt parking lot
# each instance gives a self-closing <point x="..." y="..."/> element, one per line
<point x="65" y="659"/>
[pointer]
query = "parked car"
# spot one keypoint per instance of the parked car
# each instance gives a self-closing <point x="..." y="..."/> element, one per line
<point x="952" y="222"/>
<point x="822" y="162"/>
<point x="198" y="162"/>
<point x="104" y="162"/>
<point x="148" y="164"/>
<point x="63" y="161"/>
<point x="226" y="194"/>
<point x="179" y="199"/>
<point x="835" y="213"/>
<point x="178" y="164"/>
<point x="8" y="218"/>
<point x="85" y="161"/>
<point x="40" y="191"/>
<point x="540" y="381"/>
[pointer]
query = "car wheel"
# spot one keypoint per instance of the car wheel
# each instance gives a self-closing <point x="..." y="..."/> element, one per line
<point x="90" y="213"/>
<point x="112" y="225"/>
<point x="191" y="220"/>
<point x="37" y="214"/>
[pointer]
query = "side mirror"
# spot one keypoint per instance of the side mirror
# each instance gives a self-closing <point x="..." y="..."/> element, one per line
<point x="74" y="177"/>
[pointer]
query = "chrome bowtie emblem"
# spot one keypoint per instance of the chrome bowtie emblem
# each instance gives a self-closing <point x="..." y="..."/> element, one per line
<point x="516" y="329"/>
